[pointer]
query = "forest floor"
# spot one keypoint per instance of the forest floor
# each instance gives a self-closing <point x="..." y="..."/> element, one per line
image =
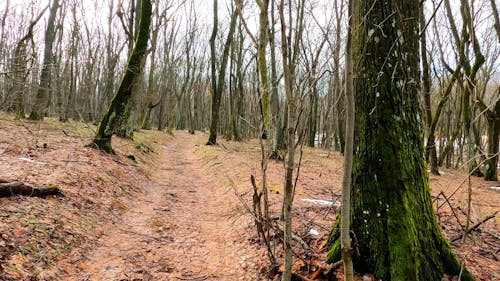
<point x="172" y="213"/>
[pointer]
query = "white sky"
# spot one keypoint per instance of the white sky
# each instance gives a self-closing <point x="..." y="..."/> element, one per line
<point x="95" y="12"/>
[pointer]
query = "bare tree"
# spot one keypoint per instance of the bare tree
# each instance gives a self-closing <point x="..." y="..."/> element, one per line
<point x="218" y="81"/>
<point x="290" y="49"/>
<point x="38" y="110"/>
<point x="19" y="69"/>
<point x="345" y="235"/>
<point x="113" y="117"/>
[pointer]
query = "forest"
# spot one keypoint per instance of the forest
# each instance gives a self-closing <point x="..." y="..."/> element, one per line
<point x="249" y="140"/>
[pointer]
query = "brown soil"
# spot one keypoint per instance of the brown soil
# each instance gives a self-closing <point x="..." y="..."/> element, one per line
<point x="173" y="214"/>
<point x="185" y="227"/>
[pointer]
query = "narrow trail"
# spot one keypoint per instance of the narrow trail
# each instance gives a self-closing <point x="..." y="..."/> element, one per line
<point x="183" y="228"/>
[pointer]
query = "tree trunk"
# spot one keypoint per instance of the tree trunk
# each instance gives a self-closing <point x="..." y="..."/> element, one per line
<point x="219" y="82"/>
<point x="279" y="133"/>
<point x="430" y="152"/>
<point x="345" y="239"/>
<point x="145" y="124"/>
<point x="493" y="118"/>
<point x="115" y="114"/>
<point x="390" y="182"/>
<point x="39" y="108"/>
<point x="313" y="111"/>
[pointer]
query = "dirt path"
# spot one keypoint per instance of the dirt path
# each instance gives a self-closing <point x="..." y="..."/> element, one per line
<point x="183" y="228"/>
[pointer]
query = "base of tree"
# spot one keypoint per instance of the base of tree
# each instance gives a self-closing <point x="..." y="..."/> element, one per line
<point x="35" y="116"/>
<point x="102" y="143"/>
<point x="212" y="140"/>
<point x="435" y="172"/>
<point x="8" y="189"/>
<point x="125" y="133"/>
<point x="275" y="155"/>
<point x="490" y="174"/>
<point x="477" y="173"/>
<point x="432" y="267"/>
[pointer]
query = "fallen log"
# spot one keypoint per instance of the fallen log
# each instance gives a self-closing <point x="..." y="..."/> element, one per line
<point x="8" y="189"/>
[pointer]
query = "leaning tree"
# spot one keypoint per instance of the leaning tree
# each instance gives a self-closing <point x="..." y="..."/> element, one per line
<point x="396" y="230"/>
<point x="111" y="121"/>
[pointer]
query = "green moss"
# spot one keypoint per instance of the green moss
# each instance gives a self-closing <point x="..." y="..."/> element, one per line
<point x="117" y="111"/>
<point x="392" y="216"/>
<point x="334" y="254"/>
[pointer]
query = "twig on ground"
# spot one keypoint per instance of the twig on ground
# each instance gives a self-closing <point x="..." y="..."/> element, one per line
<point x="476" y="226"/>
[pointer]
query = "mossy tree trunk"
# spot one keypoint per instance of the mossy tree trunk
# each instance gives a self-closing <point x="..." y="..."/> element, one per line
<point x="111" y="121"/>
<point x="269" y="103"/>
<point x="397" y="232"/>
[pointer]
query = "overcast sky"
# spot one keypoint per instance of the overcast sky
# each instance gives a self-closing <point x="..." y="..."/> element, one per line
<point x="95" y="12"/>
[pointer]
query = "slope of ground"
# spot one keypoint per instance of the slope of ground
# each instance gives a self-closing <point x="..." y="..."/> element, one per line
<point x="36" y="233"/>
<point x="321" y="179"/>
<point x="172" y="213"/>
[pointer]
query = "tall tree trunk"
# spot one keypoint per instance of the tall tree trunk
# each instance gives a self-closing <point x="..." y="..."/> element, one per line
<point x="145" y="124"/>
<point x="38" y="110"/>
<point x="345" y="227"/>
<point x="495" y="16"/>
<point x="267" y="104"/>
<point x="390" y="182"/>
<point x="493" y="131"/>
<point x="19" y="68"/>
<point x="275" y="102"/>
<point x="313" y="110"/>
<point x="290" y="53"/>
<point x="114" y="116"/>
<point x="218" y="82"/>
<point x="430" y="151"/>
<point x="490" y="173"/>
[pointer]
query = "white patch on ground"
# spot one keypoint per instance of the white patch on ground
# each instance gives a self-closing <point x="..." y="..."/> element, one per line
<point x="31" y="160"/>
<point x="313" y="231"/>
<point x="321" y="202"/>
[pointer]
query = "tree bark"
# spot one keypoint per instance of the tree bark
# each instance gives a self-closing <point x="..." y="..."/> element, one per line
<point x="390" y="182"/>
<point x="115" y="114"/>
<point x="218" y="82"/>
<point x="430" y="152"/>
<point x="346" y="243"/>
<point x="290" y="52"/>
<point x="493" y="131"/>
<point x="38" y="110"/>
<point x="145" y="123"/>
<point x="279" y="133"/>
